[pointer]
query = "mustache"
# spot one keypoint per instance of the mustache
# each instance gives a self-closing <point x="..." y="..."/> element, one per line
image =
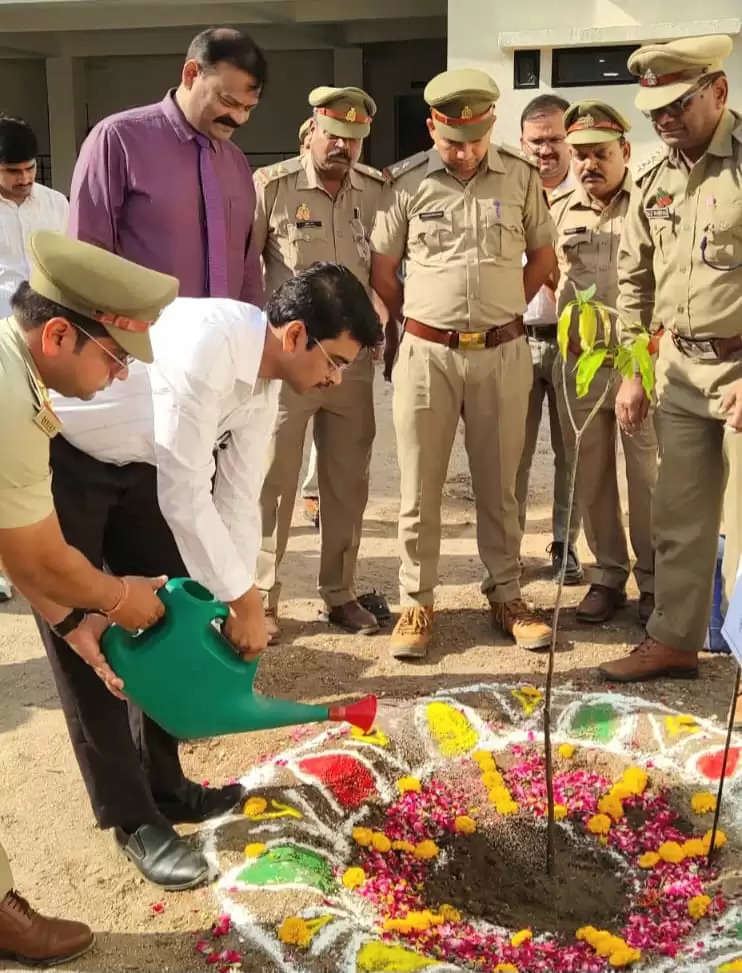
<point x="227" y="120"/>
<point x="339" y="155"/>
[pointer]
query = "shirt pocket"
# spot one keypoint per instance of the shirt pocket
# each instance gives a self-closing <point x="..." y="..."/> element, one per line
<point x="662" y="233"/>
<point x="307" y="241"/>
<point x="724" y="236"/>
<point x="360" y="242"/>
<point x="575" y="250"/>
<point x="431" y="235"/>
<point x="503" y="238"/>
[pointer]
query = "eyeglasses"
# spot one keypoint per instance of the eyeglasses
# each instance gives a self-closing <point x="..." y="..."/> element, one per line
<point x="677" y="107"/>
<point x="336" y="366"/>
<point x="539" y="144"/>
<point x="123" y="359"/>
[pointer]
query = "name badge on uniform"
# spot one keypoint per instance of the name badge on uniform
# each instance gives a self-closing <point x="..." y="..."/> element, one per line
<point x="435" y="215"/>
<point x="47" y="420"/>
<point x="303" y="224"/>
<point x="658" y="213"/>
<point x="574" y="229"/>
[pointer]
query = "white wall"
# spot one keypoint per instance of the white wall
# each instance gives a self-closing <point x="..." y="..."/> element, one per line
<point x="483" y="34"/>
<point x="23" y="94"/>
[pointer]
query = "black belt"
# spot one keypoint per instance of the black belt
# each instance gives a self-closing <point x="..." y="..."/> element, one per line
<point x="542" y="332"/>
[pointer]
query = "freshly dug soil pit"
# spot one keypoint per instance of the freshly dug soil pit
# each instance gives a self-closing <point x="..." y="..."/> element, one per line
<point x="500" y="876"/>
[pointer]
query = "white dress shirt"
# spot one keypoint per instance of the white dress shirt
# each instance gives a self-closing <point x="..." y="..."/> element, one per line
<point x="542" y="306"/>
<point x="202" y="390"/>
<point x="45" y="209"/>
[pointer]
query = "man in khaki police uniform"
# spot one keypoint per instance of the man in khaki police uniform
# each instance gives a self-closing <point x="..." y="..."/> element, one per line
<point x="589" y="218"/>
<point x="461" y="215"/>
<point x="102" y="307"/>
<point x="321" y="206"/>
<point x="680" y="267"/>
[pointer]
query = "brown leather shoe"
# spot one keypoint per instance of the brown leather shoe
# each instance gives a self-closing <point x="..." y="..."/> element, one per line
<point x="310" y="510"/>
<point x="271" y="626"/>
<point x="525" y="624"/>
<point x="413" y="632"/>
<point x="651" y="660"/>
<point x="35" y="940"/>
<point x="354" y="618"/>
<point x="600" y="603"/>
<point x="645" y="606"/>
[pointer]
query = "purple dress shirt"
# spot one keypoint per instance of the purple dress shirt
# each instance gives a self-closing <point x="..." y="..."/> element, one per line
<point x="136" y="191"/>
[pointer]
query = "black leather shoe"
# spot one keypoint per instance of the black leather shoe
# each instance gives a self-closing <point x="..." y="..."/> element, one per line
<point x="573" y="574"/>
<point x="195" y="803"/>
<point x="163" y="857"/>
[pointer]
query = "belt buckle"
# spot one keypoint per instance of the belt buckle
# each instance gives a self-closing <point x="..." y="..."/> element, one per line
<point x="472" y="340"/>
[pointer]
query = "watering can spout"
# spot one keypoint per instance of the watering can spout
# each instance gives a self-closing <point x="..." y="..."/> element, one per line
<point x="185" y="675"/>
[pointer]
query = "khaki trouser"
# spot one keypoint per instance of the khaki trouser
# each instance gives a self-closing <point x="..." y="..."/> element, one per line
<point x="544" y="354"/>
<point x="700" y="471"/>
<point x="344" y="431"/>
<point x="488" y="388"/>
<point x="597" y="481"/>
<point x="6" y="876"/>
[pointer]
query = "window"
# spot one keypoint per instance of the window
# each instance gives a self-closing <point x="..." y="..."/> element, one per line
<point x="573" y="67"/>
<point x="527" y="69"/>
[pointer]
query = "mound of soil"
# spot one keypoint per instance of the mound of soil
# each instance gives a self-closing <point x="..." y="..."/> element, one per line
<point x="500" y="876"/>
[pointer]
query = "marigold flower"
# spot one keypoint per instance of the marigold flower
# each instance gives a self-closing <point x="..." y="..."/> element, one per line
<point x="607" y="944"/>
<point x="703" y="802"/>
<point x="403" y="846"/>
<point x="560" y="811"/>
<point x="636" y="778"/>
<point x="380" y="842"/>
<point x="670" y="851"/>
<point x="425" y="850"/>
<point x="510" y="968"/>
<point x="733" y="966"/>
<point x="405" y="784"/>
<point x="518" y="938"/>
<point x="492" y="779"/>
<point x="362" y="836"/>
<point x="719" y="841"/>
<point x="698" y="906"/>
<point x="254" y="806"/>
<point x="254" y="850"/>
<point x="648" y="860"/>
<point x="621" y="791"/>
<point x="566" y="750"/>
<point x="599" y="824"/>
<point x="694" y="848"/>
<point x="294" y="932"/>
<point x="612" y="806"/>
<point x="624" y="956"/>
<point x="449" y="913"/>
<point x="353" y="877"/>
<point x="484" y="759"/>
<point x="464" y="824"/>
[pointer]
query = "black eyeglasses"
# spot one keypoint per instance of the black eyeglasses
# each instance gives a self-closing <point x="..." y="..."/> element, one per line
<point x="677" y="107"/>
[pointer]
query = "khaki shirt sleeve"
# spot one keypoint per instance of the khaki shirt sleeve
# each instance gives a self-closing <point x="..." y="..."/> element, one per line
<point x="25" y="480"/>
<point x="259" y="233"/>
<point x="389" y="234"/>
<point x="537" y="222"/>
<point x="635" y="271"/>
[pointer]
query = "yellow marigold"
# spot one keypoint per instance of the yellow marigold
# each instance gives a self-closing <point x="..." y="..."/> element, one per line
<point x="694" y="848"/>
<point x="612" y="806"/>
<point x="449" y="913"/>
<point x="719" y="841"/>
<point x="733" y="966"/>
<point x="353" y="877"/>
<point x="621" y="791"/>
<point x="483" y="757"/>
<point x="294" y="931"/>
<point x="624" y="956"/>
<point x="585" y="932"/>
<point x="426" y="850"/>
<point x="636" y="778"/>
<point x="397" y="925"/>
<point x="380" y="842"/>
<point x="560" y="811"/>
<point x="566" y="750"/>
<point x="254" y="850"/>
<point x="607" y="944"/>
<point x="362" y="836"/>
<point x="649" y="859"/>
<point x="464" y="824"/>
<point x="670" y="851"/>
<point x="518" y="938"/>
<point x="403" y="846"/>
<point x="405" y="784"/>
<point x="509" y="968"/>
<point x="254" y="806"/>
<point x="504" y="804"/>
<point x="698" y="906"/>
<point x="703" y="802"/>
<point x="599" y="824"/>
<point x="492" y="779"/>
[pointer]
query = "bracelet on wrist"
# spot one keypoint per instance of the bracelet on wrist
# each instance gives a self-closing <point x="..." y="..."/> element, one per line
<point x="108" y="612"/>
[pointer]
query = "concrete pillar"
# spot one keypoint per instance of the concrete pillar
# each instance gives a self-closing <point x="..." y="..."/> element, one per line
<point x="347" y="67"/>
<point x="64" y="85"/>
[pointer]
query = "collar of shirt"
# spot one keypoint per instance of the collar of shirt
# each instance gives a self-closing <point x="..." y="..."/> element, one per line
<point x="181" y="126"/>
<point x="308" y="178"/>
<point x="491" y="161"/>
<point x="581" y="197"/>
<point x="721" y="141"/>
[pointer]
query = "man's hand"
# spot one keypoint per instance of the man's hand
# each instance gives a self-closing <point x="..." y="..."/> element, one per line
<point x="632" y="405"/>
<point x="245" y="627"/>
<point x="731" y="406"/>
<point x="139" y="606"/>
<point x="85" y="640"/>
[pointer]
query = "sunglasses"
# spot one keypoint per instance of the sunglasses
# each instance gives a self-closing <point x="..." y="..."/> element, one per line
<point x="677" y="107"/>
<point x="122" y="358"/>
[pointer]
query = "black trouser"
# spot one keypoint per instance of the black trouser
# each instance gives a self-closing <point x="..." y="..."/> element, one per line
<point x="110" y="513"/>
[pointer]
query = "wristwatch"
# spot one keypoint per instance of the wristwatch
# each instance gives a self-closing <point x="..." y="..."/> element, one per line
<point x="69" y="622"/>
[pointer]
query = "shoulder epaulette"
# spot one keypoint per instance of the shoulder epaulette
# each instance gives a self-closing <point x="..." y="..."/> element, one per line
<point x="516" y="152"/>
<point x="561" y="194"/>
<point x="412" y="162"/>
<point x="650" y="164"/>
<point x="370" y="171"/>
<point x="277" y="170"/>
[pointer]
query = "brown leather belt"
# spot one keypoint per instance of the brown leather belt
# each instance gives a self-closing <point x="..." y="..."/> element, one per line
<point x="467" y="340"/>
<point x="708" y="349"/>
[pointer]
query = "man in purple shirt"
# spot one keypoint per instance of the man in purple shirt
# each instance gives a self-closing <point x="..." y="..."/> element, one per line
<point x="163" y="184"/>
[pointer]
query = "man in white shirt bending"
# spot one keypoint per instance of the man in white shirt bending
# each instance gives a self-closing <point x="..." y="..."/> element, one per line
<point x="25" y="206"/>
<point x="132" y="482"/>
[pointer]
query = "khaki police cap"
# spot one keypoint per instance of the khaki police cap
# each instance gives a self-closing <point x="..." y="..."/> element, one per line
<point x="588" y="122"/>
<point x="346" y="112"/>
<point x="669" y="71"/>
<point x="122" y="296"/>
<point x="304" y="128"/>
<point x="461" y="103"/>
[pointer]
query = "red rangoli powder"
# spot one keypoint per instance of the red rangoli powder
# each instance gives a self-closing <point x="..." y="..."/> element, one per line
<point x="347" y="778"/>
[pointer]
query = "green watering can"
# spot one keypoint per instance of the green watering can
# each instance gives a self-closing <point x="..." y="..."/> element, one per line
<point x="188" y="678"/>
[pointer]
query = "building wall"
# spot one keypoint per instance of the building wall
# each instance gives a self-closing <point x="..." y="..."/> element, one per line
<point x="23" y="94"/>
<point x="483" y="34"/>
